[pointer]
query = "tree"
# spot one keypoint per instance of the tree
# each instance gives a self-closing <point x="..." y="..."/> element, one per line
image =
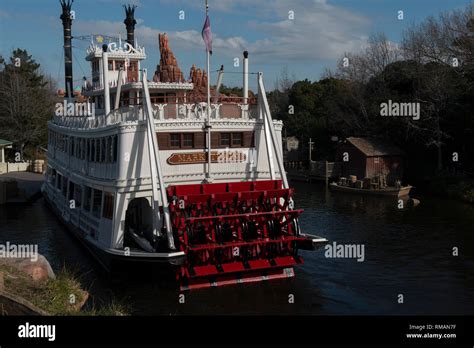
<point x="278" y="98"/>
<point x="444" y="47"/>
<point x="27" y="101"/>
<point x="364" y="65"/>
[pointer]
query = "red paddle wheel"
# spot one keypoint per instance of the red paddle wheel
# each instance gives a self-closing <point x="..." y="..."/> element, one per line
<point x="236" y="232"/>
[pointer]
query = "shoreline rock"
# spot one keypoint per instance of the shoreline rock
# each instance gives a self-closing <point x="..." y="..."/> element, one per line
<point x="38" y="270"/>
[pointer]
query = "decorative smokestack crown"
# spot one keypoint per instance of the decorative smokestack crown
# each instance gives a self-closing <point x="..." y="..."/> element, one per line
<point x="66" y="15"/>
<point x="246" y="54"/>
<point x="130" y="23"/>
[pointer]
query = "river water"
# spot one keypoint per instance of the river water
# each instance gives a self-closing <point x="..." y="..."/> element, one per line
<point x="407" y="252"/>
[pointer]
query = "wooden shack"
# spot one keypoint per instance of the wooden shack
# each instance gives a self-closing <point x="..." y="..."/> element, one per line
<point x="369" y="158"/>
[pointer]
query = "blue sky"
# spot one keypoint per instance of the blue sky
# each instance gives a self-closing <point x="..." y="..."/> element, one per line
<point x="322" y="30"/>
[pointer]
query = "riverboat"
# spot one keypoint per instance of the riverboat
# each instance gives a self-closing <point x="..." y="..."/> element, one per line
<point x="154" y="169"/>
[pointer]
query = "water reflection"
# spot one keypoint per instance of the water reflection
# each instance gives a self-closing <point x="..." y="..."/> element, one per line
<point x="407" y="251"/>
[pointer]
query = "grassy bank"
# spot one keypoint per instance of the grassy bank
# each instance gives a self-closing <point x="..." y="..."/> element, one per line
<point x="453" y="187"/>
<point x="60" y="296"/>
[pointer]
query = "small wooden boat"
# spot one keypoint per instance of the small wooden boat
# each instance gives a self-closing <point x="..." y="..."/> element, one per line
<point x="388" y="191"/>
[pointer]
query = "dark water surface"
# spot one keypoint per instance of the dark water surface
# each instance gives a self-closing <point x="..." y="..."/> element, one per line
<point x="407" y="251"/>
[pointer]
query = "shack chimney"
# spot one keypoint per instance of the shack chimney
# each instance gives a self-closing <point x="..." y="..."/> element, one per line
<point x="130" y="23"/>
<point x="67" y="23"/>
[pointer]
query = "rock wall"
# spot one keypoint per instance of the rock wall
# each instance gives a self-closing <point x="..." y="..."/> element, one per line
<point x="198" y="77"/>
<point x="168" y="70"/>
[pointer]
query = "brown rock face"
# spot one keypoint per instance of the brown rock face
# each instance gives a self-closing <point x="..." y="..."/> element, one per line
<point x="168" y="70"/>
<point x="198" y="77"/>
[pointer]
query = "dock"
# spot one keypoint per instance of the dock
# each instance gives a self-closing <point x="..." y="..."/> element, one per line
<point x="319" y="171"/>
<point x="20" y="187"/>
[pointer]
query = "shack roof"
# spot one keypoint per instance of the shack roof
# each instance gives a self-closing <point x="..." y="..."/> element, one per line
<point x="375" y="147"/>
<point x="4" y="142"/>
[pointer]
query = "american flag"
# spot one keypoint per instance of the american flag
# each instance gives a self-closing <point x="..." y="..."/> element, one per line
<point x="207" y="35"/>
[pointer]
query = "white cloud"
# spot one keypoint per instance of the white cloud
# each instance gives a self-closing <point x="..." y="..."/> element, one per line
<point x="148" y="36"/>
<point x="320" y="31"/>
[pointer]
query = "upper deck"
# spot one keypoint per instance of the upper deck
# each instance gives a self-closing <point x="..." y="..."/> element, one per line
<point x="225" y="108"/>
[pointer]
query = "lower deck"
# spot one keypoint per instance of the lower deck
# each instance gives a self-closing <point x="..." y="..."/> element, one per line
<point x="224" y="232"/>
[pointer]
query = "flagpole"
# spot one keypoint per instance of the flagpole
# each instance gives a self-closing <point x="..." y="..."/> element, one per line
<point x="208" y="121"/>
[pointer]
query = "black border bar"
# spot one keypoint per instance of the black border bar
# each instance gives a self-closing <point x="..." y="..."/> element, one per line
<point x="241" y="329"/>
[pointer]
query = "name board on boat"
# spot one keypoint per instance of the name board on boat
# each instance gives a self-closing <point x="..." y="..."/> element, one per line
<point x="201" y="157"/>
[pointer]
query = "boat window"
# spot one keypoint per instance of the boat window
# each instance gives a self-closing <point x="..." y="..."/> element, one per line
<point x="86" y="149"/>
<point x="59" y="182"/>
<point x="87" y="198"/>
<point x="52" y="179"/>
<point x="71" y="146"/>
<point x="97" y="150"/>
<point x="237" y="139"/>
<point x="103" y="147"/>
<point x="114" y="149"/>
<point x="188" y="140"/>
<point x="91" y="150"/>
<point x="175" y="140"/>
<point x="83" y="149"/>
<point x="71" y="191"/>
<point x="78" y="195"/>
<point x="108" y="150"/>
<point x="96" y="202"/>
<point x="108" y="211"/>
<point x="64" y="186"/>
<point x="77" y="147"/>
<point x="225" y="139"/>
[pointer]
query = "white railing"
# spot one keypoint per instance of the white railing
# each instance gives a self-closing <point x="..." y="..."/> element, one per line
<point x="161" y="112"/>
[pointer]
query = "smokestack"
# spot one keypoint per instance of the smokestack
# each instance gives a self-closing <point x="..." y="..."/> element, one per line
<point x="67" y="23"/>
<point x="130" y="23"/>
<point x="246" y="77"/>
<point x="105" y="78"/>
